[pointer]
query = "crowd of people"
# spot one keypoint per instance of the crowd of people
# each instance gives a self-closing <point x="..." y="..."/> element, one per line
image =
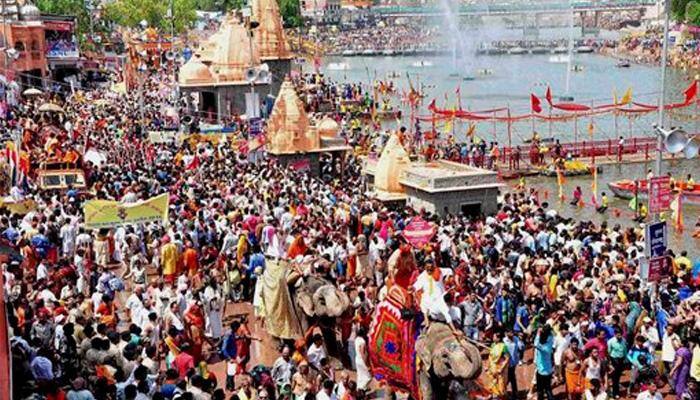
<point x="147" y="311"/>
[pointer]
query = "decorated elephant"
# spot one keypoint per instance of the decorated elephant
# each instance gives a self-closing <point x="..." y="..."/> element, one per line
<point x="445" y="360"/>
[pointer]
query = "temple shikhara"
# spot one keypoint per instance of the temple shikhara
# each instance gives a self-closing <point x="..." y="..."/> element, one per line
<point x="295" y="139"/>
<point x="225" y="74"/>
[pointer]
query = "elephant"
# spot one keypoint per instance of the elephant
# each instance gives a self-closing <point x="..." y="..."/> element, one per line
<point x="445" y="361"/>
<point x="317" y="297"/>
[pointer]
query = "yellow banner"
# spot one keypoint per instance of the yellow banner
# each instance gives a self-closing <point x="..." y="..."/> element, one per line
<point x="107" y="214"/>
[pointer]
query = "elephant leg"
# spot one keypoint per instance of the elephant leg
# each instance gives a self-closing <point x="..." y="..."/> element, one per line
<point x="425" y="385"/>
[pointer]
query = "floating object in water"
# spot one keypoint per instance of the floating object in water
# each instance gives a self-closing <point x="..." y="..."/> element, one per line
<point x="485" y="71"/>
<point x="625" y="189"/>
<point x="623" y="64"/>
<point x="468" y="78"/>
<point x="559" y="59"/>
<point x="560" y="50"/>
<point x="577" y="68"/>
<point x="584" y="49"/>
<point x="393" y="74"/>
<point x="422" y="64"/>
<point x="517" y="50"/>
<point x="338" y="66"/>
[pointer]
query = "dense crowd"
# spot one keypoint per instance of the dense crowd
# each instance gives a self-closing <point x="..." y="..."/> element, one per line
<point x="143" y="311"/>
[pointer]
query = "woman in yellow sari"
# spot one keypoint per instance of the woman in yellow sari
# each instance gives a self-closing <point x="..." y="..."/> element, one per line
<point x="498" y="367"/>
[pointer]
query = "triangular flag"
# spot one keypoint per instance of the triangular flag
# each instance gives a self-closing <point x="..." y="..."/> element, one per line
<point x="633" y="203"/>
<point x="615" y="96"/>
<point x="627" y="97"/>
<point x="594" y="185"/>
<point x="691" y="92"/>
<point x="535" y="104"/>
<point x="548" y="95"/>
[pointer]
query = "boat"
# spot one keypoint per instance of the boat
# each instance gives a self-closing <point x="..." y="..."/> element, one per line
<point x="388" y="52"/>
<point x="422" y="64"/>
<point x="348" y="53"/>
<point x="485" y="71"/>
<point x="538" y="50"/>
<point x="393" y="75"/>
<point x="559" y="59"/>
<point x="468" y="78"/>
<point x="571" y="168"/>
<point x="584" y="49"/>
<point x="517" y="51"/>
<point x="369" y="52"/>
<point x="338" y="66"/>
<point x="560" y="50"/>
<point x="577" y="68"/>
<point x="623" y="64"/>
<point x="626" y="188"/>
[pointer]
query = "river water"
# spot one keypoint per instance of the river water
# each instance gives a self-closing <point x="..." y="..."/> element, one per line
<point x="512" y="80"/>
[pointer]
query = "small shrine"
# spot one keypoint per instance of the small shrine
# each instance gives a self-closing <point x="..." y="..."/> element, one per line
<point x="295" y="140"/>
<point x="217" y="76"/>
<point x="439" y="186"/>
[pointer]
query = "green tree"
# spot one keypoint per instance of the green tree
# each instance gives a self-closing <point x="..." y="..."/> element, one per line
<point x="220" y="5"/>
<point x="74" y="8"/>
<point x="692" y="13"/>
<point x="130" y="13"/>
<point x="678" y="8"/>
<point x="290" y="12"/>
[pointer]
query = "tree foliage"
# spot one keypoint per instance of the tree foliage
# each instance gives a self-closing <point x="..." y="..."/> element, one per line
<point x="290" y="12"/>
<point x="131" y="12"/>
<point x="69" y="8"/>
<point x="686" y="11"/>
<point x="220" y="5"/>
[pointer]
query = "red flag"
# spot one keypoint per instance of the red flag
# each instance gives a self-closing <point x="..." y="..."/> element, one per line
<point x="194" y="163"/>
<point x="535" y="104"/>
<point x="548" y="95"/>
<point x="691" y="92"/>
<point x="431" y="106"/>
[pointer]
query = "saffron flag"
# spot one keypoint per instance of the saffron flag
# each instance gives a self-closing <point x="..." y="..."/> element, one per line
<point x="591" y="128"/>
<point x="560" y="182"/>
<point x="535" y="104"/>
<point x="691" y="92"/>
<point x="471" y="129"/>
<point x="677" y="212"/>
<point x="627" y="97"/>
<point x="594" y="185"/>
<point x="548" y="95"/>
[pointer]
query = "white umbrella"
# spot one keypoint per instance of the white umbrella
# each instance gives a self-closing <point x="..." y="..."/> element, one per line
<point x="94" y="157"/>
<point x="32" y="92"/>
<point x="50" y="107"/>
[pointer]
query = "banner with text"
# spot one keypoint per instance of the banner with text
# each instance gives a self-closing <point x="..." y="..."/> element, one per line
<point x="107" y="214"/>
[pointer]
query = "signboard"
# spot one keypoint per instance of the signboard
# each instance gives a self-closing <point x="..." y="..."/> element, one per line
<point x="61" y="41"/>
<point x="659" y="194"/>
<point x="659" y="267"/>
<point x="107" y="214"/>
<point x="656" y="239"/>
<point x="255" y="126"/>
<point x="301" y="165"/>
<point x="418" y="232"/>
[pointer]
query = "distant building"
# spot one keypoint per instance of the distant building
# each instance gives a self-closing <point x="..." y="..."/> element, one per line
<point x="22" y="39"/>
<point x="62" y="54"/>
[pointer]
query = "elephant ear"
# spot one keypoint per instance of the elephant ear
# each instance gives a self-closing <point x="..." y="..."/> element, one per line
<point x="423" y="353"/>
<point x="475" y="359"/>
<point x="305" y="302"/>
<point x="330" y="301"/>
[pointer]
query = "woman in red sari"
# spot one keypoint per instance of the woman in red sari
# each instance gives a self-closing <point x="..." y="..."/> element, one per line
<point x="195" y="323"/>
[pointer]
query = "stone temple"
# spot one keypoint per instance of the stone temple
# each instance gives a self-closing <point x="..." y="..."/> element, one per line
<point x="437" y="186"/>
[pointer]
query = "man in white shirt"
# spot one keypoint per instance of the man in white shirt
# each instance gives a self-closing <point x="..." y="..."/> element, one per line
<point x="650" y="393"/>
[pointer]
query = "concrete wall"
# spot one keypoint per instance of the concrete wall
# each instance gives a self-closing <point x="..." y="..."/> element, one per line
<point x="436" y="202"/>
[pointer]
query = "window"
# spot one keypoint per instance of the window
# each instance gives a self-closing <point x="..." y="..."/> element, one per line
<point x="19" y="46"/>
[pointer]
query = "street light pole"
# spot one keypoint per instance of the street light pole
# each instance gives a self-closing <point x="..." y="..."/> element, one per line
<point x="664" y="60"/>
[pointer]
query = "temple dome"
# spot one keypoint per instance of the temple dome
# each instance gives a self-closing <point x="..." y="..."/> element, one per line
<point x="234" y="54"/>
<point x="392" y="162"/>
<point x="270" y="36"/>
<point x="328" y="127"/>
<point x="29" y="12"/>
<point x="289" y="129"/>
<point x="195" y="72"/>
